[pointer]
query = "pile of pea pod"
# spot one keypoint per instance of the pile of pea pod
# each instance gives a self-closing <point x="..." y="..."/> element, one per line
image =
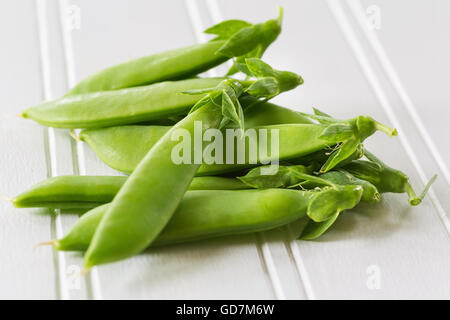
<point x="128" y="113"/>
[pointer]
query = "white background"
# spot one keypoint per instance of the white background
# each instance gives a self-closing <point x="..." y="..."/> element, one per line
<point x="397" y="73"/>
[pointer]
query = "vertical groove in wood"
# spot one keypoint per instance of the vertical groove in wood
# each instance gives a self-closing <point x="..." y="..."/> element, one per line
<point x="371" y="37"/>
<point x="294" y="253"/>
<point x="79" y="166"/>
<point x="62" y="290"/>
<point x="371" y="77"/>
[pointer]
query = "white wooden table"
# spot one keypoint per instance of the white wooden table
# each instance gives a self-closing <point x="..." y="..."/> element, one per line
<point x="397" y="73"/>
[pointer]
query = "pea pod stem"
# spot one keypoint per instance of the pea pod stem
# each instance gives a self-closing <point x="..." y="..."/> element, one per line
<point x="383" y="128"/>
<point x="385" y="178"/>
<point x="6" y="198"/>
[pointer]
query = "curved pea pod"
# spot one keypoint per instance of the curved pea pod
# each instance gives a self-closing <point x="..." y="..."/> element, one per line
<point x="78" y="192"/>
<point x="112" y="145"/>
<point x="208" y="214"/>
<point x="169" y="65"/>
<point x="119" y="107"/>
<point x="182" y="63"/>
<point x="155" y="175"/>
<point x="385" y="178"/>
<point x="284" y="142"/>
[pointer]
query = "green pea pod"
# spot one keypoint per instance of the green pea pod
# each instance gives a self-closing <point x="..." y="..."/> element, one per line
<point x="184" y="62"/>
<point x="385" y="178"/>
<point x="148" y="212"/>
<point x="119" y="107"/>
<point x="77" y="192"/>
<point x="169" y="65"/>
<point x="138" y="213"/>
<point x="208" y="214"/>
<point x="112" y="144"/>
<point x="113" y="147"/>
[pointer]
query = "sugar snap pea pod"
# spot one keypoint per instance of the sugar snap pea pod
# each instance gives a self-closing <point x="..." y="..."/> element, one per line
<point x="385" y="178"/>
<point x="77" y="192"/>
<point x="138" y="213"/>
<point x="112" y="144"/>
<point x="119" y="107"/>
<point x="184" y="62"/>
<point x="208" y="214"/>
<point x="170" y="65"/>
<point x="347" y="134"/>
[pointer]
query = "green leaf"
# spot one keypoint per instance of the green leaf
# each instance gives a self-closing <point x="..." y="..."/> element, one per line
<point x="319" y="118"/>
<point x="265" y="87"/>
<point x="344" y="151"/>
<point x="313" y="230"/>
<point x="259" y="68"/>
<point x="229" y="109"/>
<point x="241" y="42"/>
<point x="321" y="113"/>
<point x="342" y="177"/>
<point x="331" y="201"/>
<point x="200" y="103"/>
<point x="337" y="132"/>
<point x="283" y="178"/>
<point x="225" y="29"/>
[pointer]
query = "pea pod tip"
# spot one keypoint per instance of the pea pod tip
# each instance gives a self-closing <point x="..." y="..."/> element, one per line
<point x="74" y="136"/>
<point x="85" y="271"/>
<point x="45" y="243"/>
<point x="6" y="198"/>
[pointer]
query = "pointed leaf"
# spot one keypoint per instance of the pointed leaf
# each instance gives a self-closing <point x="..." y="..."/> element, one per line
<point x="344" y="151"/>
<point x="332" y="201"/>
<point x="241" y="42"/>
<point x="229" y="109"/>
<point x="259" y="68"/>
<point x="265" y="87"/>
<point x="225" y="29"/>
<point x="313" y="230"/>
<point x="337" y="132"/>
<point x="284" y="177"/>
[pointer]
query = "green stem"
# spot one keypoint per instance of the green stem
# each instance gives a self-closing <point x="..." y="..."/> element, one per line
<point x="389" y="131"/>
